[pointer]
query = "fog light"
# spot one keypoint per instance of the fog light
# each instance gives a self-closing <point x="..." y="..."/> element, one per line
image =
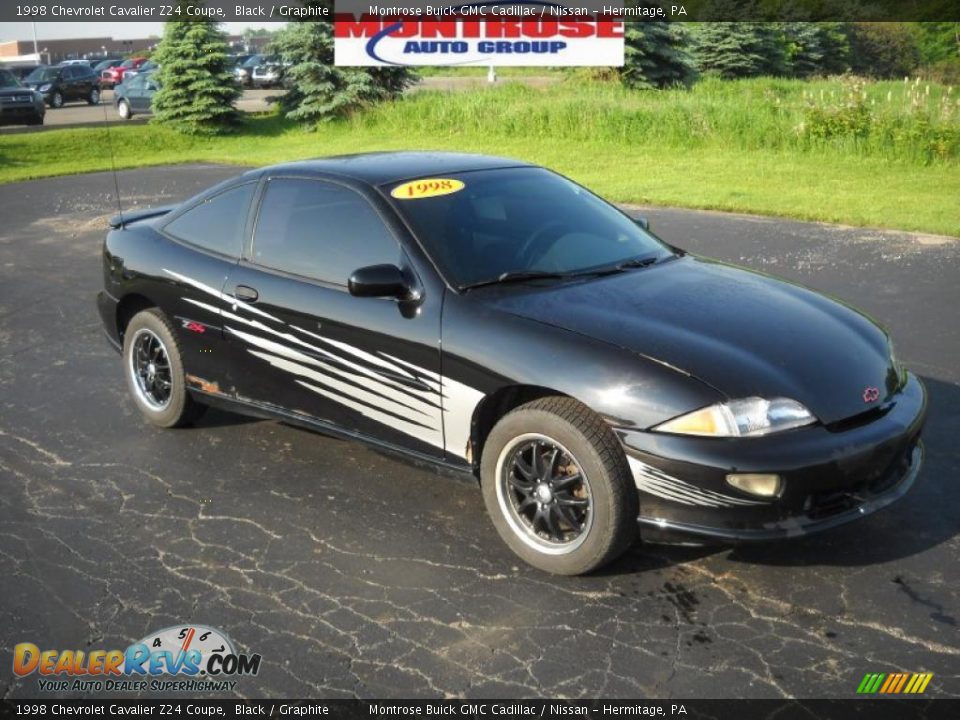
<point x="764" y="485"/>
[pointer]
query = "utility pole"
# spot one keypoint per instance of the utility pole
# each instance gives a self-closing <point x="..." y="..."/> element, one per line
<point x="36" y="50"/>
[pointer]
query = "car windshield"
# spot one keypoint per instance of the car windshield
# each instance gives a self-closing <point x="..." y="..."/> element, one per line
<point x="253" y="61"/>
<point x="8" y="79"/>
<point x="128" y="63"/>
<point x="519" y="221"/>
<point x="43" y="74"/>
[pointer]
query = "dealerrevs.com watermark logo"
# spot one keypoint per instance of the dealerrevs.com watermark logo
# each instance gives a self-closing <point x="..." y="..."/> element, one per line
<point x="522" y="40"/>
<point x="180" y="658"/>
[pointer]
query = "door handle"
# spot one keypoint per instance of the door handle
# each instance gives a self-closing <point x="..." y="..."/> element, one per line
<point x="248" y="294"/>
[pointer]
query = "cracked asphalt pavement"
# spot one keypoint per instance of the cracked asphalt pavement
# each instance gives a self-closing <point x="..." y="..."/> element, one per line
<point x="355" y="574"/>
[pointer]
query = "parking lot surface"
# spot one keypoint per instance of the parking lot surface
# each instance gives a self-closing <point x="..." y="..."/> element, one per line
<point x="77" y="114"/>
<point x="355" y="574"/>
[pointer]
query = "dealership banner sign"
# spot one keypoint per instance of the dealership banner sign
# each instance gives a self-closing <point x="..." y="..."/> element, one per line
<point x="500" y="34"/>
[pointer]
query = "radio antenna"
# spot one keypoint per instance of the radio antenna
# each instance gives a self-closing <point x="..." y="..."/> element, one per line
<point x="113" y="161"/>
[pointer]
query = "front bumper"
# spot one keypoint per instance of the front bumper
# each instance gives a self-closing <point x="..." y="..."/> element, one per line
<point x="20" y="112"/>
<point x="830" y="476"/>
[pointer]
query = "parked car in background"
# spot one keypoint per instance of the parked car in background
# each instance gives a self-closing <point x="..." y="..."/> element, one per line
<point x="75" y="62"/>
<point x="237" y="60"/>
<point x="243" y="72"/>
<point x="19" y="104"/>
<point x="134" y="96"/>
<point x="269" y="73"/>
<point x="111" y="77"/>
<point x="64" y="84"/>
<point x="105" y="64"/>
<point x="147" y="67"/>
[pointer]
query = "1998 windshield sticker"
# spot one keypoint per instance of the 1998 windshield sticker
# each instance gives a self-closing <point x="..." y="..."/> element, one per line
<point x="427" y="187"/>
<point x="181" y="658"/>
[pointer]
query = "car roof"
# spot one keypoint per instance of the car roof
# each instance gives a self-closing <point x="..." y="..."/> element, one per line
<point x="380" y="168"/>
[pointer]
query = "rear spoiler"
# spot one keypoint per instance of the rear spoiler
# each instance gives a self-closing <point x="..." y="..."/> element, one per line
<point x="120" y="221"/>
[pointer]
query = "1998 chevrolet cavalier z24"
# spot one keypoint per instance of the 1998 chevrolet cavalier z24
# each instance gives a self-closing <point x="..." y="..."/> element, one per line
<point x="496" y="318"/>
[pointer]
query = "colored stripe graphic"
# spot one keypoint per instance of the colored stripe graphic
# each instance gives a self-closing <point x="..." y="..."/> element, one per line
<point x="903" y="680"/>
<point x="894" y="683"/>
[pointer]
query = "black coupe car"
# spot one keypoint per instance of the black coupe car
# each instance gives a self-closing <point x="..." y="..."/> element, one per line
<point x="495" y="318"/>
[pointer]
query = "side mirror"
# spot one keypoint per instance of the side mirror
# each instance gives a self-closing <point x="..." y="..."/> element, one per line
<point x="642" y="222"/>
<point x="379" y="281"/>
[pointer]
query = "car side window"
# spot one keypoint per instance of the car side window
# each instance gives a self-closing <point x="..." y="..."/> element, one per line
<point x="319" y="230"/>
<point x="217" y="223"/>
<point x="136" y="83"/>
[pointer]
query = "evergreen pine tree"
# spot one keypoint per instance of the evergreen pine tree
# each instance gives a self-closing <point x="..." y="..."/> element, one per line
<point x="739" y="49"/>
<point x="656" y="56"/>
<point x="197" y="89"/>
<point x="805" y="51"/>
<point x="321" y="91"/>
<point x="836" y="47"/>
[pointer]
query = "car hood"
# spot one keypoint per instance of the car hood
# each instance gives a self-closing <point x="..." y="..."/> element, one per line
<point x="744" y="333"/>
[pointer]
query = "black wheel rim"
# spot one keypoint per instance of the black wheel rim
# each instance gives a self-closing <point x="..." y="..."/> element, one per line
<point x="150" y="369"/>
<point x="544" y="493"/>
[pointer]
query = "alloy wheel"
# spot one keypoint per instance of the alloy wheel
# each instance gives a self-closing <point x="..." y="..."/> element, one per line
<point x="149" y="366"/>
<point x="544" y="494"/>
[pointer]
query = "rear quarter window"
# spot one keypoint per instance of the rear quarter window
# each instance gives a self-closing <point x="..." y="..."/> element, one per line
<point x="217" y="224"/>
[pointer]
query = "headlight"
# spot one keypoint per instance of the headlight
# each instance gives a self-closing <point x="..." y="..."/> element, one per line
<point x="741" y="418"/>
<point x="44" y="88"/>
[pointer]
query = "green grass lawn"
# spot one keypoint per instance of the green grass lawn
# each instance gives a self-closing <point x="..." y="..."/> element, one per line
<point x="733" y="146"/>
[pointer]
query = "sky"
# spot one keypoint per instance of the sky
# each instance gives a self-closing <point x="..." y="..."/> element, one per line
<point x="119" y="30"/>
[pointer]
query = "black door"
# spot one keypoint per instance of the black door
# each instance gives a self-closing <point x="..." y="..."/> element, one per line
<point x="72" y="83"/>
<point x="369" y="366"/>
<point x="210" y="237"/>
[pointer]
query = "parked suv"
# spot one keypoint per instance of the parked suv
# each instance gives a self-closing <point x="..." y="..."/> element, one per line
<point x="243" y="71"/>
<point x="17" y="103"/>
<point x="269" y="73"/>
<point x="60" y="85"/>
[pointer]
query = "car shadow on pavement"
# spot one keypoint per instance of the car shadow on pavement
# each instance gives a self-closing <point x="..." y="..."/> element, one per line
<point x="215" y="417"/>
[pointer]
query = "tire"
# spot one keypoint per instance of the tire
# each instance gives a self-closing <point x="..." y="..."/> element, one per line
<point x="36" y="120"/>
<point x="56" y="100"/>
<point x="175" y="407"/>
<point x="94" y="97"/>
<point x="123" y="109"/>
<point x="588" y="536"/>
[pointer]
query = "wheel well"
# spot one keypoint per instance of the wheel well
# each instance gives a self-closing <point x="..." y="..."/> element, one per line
<point x="493" y="407"/>
<point x="129" y="306"/>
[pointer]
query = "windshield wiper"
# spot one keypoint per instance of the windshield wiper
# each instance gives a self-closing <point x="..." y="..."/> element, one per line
<point x="517" y="276"/>
<point x="637" y="262"/>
